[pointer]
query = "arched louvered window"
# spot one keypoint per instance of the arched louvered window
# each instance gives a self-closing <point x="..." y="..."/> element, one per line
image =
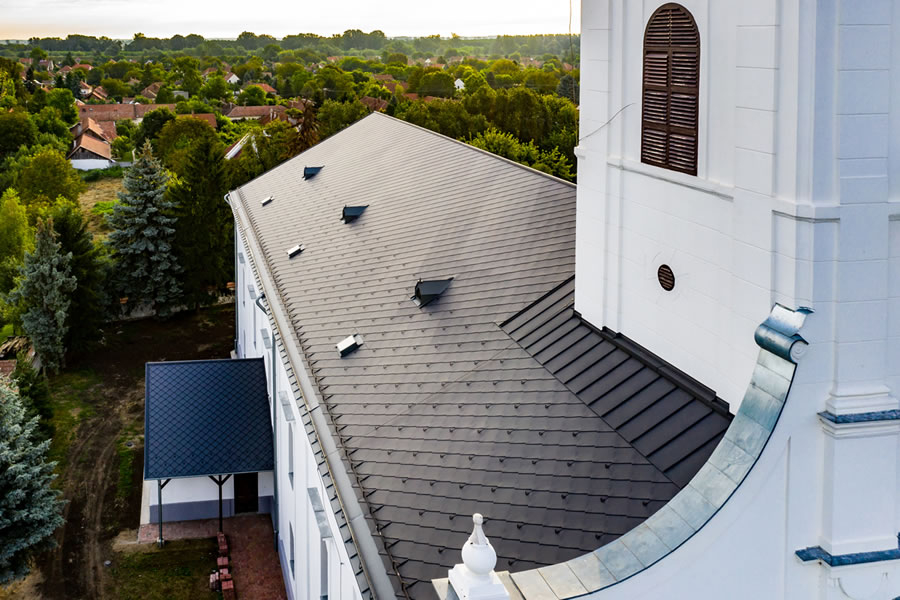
<point x="671" y="91"/>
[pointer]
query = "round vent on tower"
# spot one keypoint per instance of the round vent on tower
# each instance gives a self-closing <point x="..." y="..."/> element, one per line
<point x="666" y="277"/>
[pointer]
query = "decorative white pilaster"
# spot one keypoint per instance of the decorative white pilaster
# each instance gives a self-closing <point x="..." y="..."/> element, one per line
<point x="475" y="578"/>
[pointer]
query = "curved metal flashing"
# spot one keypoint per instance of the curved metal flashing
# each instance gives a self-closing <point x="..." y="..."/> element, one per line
<point x="781" y="346"/>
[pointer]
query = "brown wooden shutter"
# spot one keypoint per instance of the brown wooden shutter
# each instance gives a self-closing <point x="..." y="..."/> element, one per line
<point x="671" y="90"/>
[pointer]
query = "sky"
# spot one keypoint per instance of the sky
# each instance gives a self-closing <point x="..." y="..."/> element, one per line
<point x="23" y="19"/>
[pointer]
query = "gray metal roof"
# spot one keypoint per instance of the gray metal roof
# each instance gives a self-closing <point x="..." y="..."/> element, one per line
<point x="206" y="417"/>
<point x="442" y="413"/>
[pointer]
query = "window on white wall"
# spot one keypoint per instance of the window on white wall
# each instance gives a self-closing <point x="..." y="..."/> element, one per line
<point x="324" y="561"/>
<point x="291" y="454"/>
<point x="671" y="90"/>
<point x="291" y="542"/>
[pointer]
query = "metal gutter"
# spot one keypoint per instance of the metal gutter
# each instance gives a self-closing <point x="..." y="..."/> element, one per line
<point x="373" y="569"/>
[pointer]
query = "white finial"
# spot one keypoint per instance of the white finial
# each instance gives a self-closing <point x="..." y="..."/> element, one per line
<point x="478" y="538"/>
<point x="475" y="579"/>
<point x="477" y="553"/>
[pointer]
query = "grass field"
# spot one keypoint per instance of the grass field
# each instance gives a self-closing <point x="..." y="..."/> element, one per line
<point x="97" y="201"/>
<point x="98" y="416"/>
<point x="178" y="572"/>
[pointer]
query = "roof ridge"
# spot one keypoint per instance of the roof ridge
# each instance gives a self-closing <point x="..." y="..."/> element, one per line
<point x="537" y="301"/>
<point x="467" y="145"/>
<point x="664" y="368"/>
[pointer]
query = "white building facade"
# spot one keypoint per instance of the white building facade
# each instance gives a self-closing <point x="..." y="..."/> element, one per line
<point x="786" y="191"/>
<point x="314" y="560"/>
<point x="796" y="200"/>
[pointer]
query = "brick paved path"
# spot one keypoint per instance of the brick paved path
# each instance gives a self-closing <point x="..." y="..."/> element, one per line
<point x="255" y="566"/>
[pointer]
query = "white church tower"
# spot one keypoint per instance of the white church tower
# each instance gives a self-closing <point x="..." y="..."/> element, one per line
<point x="734" y="155"/>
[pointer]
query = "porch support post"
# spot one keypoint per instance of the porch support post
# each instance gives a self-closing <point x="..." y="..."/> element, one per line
<point x="220" y="480"/>
<point x="159" y="505"/>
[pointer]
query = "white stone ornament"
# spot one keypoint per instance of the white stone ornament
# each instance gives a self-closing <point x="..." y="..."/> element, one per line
<point x="475" y="578"/>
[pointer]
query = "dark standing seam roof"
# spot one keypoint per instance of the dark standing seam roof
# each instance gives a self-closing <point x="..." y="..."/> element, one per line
<point x="207" y="417"/>
<point x="441" y="413"/>
<point x="671" y="419"/>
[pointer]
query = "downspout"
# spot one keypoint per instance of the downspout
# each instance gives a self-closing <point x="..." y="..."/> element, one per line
<point x="237" y="289"/>
<point x="259" y="299"/>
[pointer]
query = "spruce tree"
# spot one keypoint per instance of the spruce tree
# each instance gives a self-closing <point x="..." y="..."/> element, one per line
<point x="30" y="509"/>
<point x="143" y="236"/>
<point x="88" y="267"/>
<point x="44" y="290"/>
<point x="204" y="232"/>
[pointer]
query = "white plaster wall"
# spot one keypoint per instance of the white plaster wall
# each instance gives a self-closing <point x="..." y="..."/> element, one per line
<point x="294" y="508"/>
<point x="86" y="164"/>
<point x="190" y="489"/>
<point x="797" y="182"/>
<point x="797" y="200"/>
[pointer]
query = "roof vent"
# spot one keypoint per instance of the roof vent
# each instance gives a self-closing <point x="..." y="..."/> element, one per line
<point x="310" y="172"/>
<point x="267" y="200"/>
<point x="292" y="252"/>
<point x="352" y="213"/>
<point x="429" y="291"/>
<point x="349" y="344"/>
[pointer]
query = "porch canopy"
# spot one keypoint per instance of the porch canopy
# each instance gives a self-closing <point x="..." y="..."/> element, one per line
<point x="206" y="418"/>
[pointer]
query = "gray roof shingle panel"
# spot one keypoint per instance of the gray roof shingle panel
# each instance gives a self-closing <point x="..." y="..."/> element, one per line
<point x="206" y="417"/>
<point x="441" y="412"/>
<point x="670" y="419"/>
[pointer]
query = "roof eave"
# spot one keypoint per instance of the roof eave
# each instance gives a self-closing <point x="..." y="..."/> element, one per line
<point x="374" y="569"/>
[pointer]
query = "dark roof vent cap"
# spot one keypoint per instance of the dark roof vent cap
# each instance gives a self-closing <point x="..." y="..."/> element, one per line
<point x="430" y="290"/>
<point x="267" y="199"/>
<point x="292" y="252"/>
<point x="349" y="344"/>
<point x="352" y="213"/>
<point x="310" y="172"/>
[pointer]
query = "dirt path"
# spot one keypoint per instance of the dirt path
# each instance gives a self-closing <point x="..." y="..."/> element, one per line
<point x="74" y="569"/>
<point x="93" y="515"/>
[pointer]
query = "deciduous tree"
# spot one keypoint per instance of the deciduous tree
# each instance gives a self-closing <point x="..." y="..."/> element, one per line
<point x="334" y="116"/>
<point x="15" y="240"/>
<point x="252" y="96"/>
<point x="16" y="130"/>
<point x="62" y="100"/>
<point x="178" y="137"/>
<point x="151" y="125"/>
<point x="46" y="177"/>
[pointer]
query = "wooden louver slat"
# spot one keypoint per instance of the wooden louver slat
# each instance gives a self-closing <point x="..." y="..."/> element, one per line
<point x="671" y="86"/>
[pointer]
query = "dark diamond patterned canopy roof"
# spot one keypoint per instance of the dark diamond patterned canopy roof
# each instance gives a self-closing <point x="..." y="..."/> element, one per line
<point x="207" y="417"/>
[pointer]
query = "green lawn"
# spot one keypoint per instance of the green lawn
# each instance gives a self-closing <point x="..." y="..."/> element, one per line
<point x="180" y="571"/>
<point x="126" y="460"/>
<point x="72" y="403"/>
